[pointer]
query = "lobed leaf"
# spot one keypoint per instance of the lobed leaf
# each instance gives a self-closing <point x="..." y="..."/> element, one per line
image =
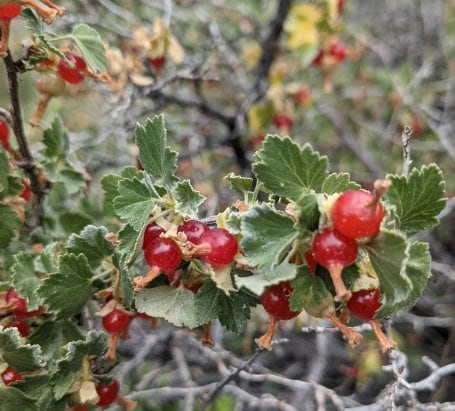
<point x="309" y="289"/>
<point x="56" y="140"/>
<point x="338" y="183"/>
<point x="17" y="353"/>
<point x="10" y="222"/>
<point x="418" y="198"/>
<point x="89" y="42"/>
<point x="12" y="398"/>
<point x="25" y="280"/>
<point x="187" y="199"/>
<point x="286" y="169"/>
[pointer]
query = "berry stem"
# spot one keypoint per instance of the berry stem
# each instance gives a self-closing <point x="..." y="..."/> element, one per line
<point x="141" y="282"/>
<point x="40" y="109"/>
<point x="380" y="188"/>
<point x="265" y="341"/>
<point x="206" y="338"/>
<point x="49" y="13"/>
<point x="342" y="293"/>
<point x="385" y="342"/>
<point x="111" y="353"/>
<point x="351" y="335"/>
<point x="129" y="405"/>
<point x="4" y="37"/>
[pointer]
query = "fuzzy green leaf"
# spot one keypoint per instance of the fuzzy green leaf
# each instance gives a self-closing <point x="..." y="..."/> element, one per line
<point x="56" y="140"/>
<point x="176" y="305"/>
<point x="53" y="335"/>
<point x="46" y="261"/>
<point x="338" y="183"/>
<point x="128" y="238"/>
<point x="308" y="212"/>
<point x="125" y="282"/>
<point x="232" y="311"/>
<point x="388" y="255"/>
<point x="25" y="280"/>
<point x="68" y="290"/>
<point x="156" y="157"/>
<point x="418" y="269"/>
<point x="418" y="198"/>
<point x="288" y="170"/>
<point x="92" y="243"/>
<point x="267" y="236"/>
<point x="12" y="399"/>
<point x="10" y="222"/>
<point x="89" y="42"/>
<point x="4" y="170"/>
<point x="239" y="183"/>
<point x="134" y="202"/>
<point x="74" y="355"/>
<point x="74" y="221"/>
<point x="64" y="173"/>
<point x="188" y="200"/>
<point x="18" y="354"/>
<point x="308" y="288"/>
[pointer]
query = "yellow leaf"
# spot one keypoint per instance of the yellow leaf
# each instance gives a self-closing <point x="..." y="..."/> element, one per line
<point x="251" y="53"/>
<point x="254" y="118"/>
<point x="306" y="12"/>
<point x="305" y="34"/>
<point x="175" y="50"/>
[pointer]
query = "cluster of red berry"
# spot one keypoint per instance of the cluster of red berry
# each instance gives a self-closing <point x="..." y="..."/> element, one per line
<point x="356" y="215"/>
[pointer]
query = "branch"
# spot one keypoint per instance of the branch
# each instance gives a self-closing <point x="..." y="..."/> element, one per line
<point x="27" y="161"/>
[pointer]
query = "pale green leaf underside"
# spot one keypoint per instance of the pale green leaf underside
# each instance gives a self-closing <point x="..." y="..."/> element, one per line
<point x="89" y="42"/>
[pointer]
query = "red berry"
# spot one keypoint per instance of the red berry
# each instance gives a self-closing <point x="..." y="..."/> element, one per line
<point x="117" y="321"/>
<point x="4" y="135"/>
<point x="282" y="121"/>
<point x="26" y="192"/>
<point x="338" y="51"/>
<point x="152" y="231"/>
<point x="357" y="214"/>
<point x="310" y="261"/>
<point x="108" y="393"/>
<point x="332" y="248"/>
<point x="163" y="253"/>
<point x="21" y="326"/>
<point x="275" y="301"/>
<point x="223" y="246"/>
<point x="10" y="11"/>
<point x="158" y="62"/>
<point x="302" y="96"/>
<point x="317" y="61"/>
<point x="9" y="376"/>
<point x="340" y="6"/>
<point x="75" y="71"/>
<point x="193" y="230"/>
<point x="364" y="303"/>
<point x="12" y="297"/>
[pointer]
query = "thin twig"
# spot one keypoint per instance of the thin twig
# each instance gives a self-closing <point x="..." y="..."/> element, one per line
<point x="405" y="139"/>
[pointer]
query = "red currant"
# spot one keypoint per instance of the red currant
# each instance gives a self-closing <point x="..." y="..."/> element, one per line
<point x="26" y="192"/>
<point x="357" y="214"/>
<point x="338" y="51"/>
<point x="302" y="96"/>
<point x="9" y="376"/>
<point x="193" y="230"/>
<point x="75" y="71"/>
<point x="4" y="135"/>
<point x="10" y="11"/>
<point x="117" y="321"/>
<point x="12" y="297"/>
<point x="331" y="247"/>
<point x="317" y="61"/>
<point x="21" y="326"/>
<point x="157" y="62"/>
<point x="310" y="261"/>
<point x="282" y="121"/>
<point x="163" y="253"/>
<point x="364" y="303"/>
<point x="108" y="393"/>
<point x="275" y="301"/>
<point x="152" y="231"/>
<point x="223" y="246"/>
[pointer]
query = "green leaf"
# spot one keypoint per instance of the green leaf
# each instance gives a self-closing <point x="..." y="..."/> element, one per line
<point x="307" y="208"/>
<point x="418" y="198"/>
<point x="56" y="140"/>
<point x="74" y="221"/>
<point x="156" y="157"/>
<point x="10" y="222"/>
<point x="134" y="202"/>
<point x="309" y="289"/>
<point x="64" y="173"/>
<point x="39" y="388"/>
<point x="232" y="311"/>
<point x="388" y="254"/>
<point x="176" y="305"/>
<point x="12" y="399"/>
<point x="75" y="353"/>
<point x="338" y="183"/>
<point x="267" y="237"/>
<point x="418" y="270"/>
<point x="288" y="170"/>
<point x="92" y="243"/>
<point x="128" y="238"/>
<point x="187" y="199"/>
<point x="89" y="42"/>
<point x="33" y="22"/>
<point x="45" y="262"/>
<point x="125" y="282"/>
<point x="53" y="335"/>
<point x="25" y="280"/>
<point x="4" y="170"/>
<point x="17" y="353"/>
<point x="239" y="183"/>
<point x="67" y="291"/>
